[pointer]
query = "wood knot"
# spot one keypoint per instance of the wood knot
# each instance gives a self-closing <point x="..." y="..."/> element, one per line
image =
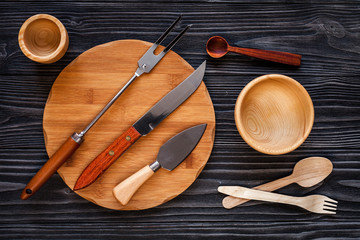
<point x="334" y="29"/>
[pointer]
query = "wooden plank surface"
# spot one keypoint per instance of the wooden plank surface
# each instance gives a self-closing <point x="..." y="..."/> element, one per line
<point x="327" y="34"/>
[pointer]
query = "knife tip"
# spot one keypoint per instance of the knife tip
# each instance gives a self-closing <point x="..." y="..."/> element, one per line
<point x="77" y="187"/>
<point x="81" y="184"/>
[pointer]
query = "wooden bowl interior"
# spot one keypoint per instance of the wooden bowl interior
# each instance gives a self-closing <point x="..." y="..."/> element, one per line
<point x="274" y="114"/>
<point x="42" y="37"/>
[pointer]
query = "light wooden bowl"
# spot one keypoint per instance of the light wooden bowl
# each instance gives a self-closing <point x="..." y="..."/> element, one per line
<point x="274" y="114"/>
<point x="43" y="38"/>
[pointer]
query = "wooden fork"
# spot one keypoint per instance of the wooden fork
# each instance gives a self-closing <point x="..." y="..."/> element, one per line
<point x="312" y="203"/>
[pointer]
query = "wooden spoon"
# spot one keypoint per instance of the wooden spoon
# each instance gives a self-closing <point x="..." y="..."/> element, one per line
<point x="217" y="47"/>
<point x="307" y="173"/>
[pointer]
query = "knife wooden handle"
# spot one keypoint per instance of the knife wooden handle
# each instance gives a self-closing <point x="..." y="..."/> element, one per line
<point x="274" y="56"/>
<point x="50" y="167"/>
<point x="127" y="188"/>
<point x="106" y="158"/>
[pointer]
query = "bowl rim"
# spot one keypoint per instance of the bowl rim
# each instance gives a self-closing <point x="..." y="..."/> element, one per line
<point x="59" y="51"/>
<point x="241" y="128"/>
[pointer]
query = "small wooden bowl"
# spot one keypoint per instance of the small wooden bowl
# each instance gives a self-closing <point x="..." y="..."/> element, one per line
<point x="274" y="114"/>
<point x="43" y="38"/>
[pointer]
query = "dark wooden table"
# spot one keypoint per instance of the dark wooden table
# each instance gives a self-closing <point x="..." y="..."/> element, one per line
<point x="326" y="34"/>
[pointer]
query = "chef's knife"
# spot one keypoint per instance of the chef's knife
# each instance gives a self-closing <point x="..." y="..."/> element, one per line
<point x="170" y="155"/>
<point x="141" y="128"/>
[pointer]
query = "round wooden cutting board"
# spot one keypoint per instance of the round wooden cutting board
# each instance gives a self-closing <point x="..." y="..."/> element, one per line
<point x="85" y="86"/>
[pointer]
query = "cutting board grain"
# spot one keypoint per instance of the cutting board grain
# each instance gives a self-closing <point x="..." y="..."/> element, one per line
<point x="84" y="87"/>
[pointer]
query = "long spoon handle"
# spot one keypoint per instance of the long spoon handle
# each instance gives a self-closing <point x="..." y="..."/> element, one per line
<point x="230" y="201"/>
<point x="274" y="56"/>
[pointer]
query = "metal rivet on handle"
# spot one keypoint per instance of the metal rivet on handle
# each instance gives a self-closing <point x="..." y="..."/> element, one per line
<point x="111" y="153"/>
<point x="128" y="138"/>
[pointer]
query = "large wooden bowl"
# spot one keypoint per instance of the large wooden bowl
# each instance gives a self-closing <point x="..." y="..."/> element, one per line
<point x="274" y="114"/>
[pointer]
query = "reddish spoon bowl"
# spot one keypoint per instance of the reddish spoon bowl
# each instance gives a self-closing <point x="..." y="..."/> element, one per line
<point x="217" y="47"/>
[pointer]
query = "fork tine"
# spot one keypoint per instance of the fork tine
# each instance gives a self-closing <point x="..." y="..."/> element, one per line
<point x="163" y="36"/>
<point x="175" y="40"/>
<point x="330" y="200"/>
<point x="328" y="211"/>
<point x="330" y="208"/>
<point x="330" y="204"/>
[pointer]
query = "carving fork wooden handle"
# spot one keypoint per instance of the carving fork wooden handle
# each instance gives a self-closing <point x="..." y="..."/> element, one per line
<point x="51" y="166"/>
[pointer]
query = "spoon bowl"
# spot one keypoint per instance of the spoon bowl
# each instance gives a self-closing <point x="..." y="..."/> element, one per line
<point x="217" y="47"/>
<point x="310" y="171"/>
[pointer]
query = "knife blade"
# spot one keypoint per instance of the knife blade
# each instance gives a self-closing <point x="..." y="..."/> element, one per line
<point x="141" y="127"/>
<point x="170" y="155"/>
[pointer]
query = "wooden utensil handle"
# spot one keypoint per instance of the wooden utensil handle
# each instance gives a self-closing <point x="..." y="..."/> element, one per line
<point x="262" y="195"/>
<point x="127" y="188"/>
<point x="50" y="167"/>
<point x="104" y="160"/>
<point x="274" y="56"/>
<point x="230" y="201"/>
